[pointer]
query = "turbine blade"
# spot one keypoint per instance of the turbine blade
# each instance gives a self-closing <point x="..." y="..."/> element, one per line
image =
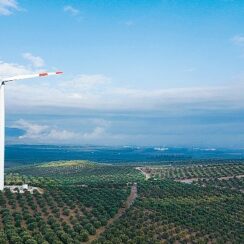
<point x="22" y="77"/>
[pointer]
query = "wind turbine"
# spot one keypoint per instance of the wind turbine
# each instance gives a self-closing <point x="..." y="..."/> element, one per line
<point x="2" y="115"/>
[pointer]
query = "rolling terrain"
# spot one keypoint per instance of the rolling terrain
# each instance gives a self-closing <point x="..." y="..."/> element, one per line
<point x="82" y="201"/>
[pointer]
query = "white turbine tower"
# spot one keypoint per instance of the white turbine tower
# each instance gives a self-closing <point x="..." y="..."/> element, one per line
<point x="2" y="115"/>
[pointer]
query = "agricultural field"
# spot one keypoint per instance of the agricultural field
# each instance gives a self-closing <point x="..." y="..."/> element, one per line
<point x="172" y="212"/>
<point x="234" y="183"/>
<point x="59" y="215"/>
<point x="79" y="199"/>
<point x="87" y="202"/>
<point x="194" y="171"/>
<point x="74" y="173"/>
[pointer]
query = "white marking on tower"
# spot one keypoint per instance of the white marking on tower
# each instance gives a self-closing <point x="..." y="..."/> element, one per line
<point x="2" y="115"/>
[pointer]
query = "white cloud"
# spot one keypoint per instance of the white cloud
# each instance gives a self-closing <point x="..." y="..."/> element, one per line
<point x="11" y="69"/>
<point x="39" y="133"/>
<point x="8" y="6"/>
<point x="97" y="133"/>
<point x="42" y="133"/>
<point x="60" y="135"/>
<point x="95" y="93"/>
<point x="32" y="130"/>
<point x="98" y="92"/>
<point x="101" y="123"/>
<point x="87" y="81"/>
<point x="71" y="10"/>
<point x="238" y="40"/>
<point x="34" y="60"/>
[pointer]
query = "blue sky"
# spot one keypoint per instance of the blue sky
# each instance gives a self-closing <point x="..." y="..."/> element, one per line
<point x="157" y="72"/>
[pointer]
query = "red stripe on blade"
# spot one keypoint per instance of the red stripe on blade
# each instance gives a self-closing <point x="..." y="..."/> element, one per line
<point x="43" y="74"/>
<point x="59" y="72"/>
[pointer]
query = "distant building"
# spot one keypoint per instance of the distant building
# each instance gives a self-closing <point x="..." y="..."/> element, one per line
<point x="23" y="188"/>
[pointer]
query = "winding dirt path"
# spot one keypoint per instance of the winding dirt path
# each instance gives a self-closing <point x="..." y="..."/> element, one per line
<point x="141" y="169"/>
<point x="131" y="198"/>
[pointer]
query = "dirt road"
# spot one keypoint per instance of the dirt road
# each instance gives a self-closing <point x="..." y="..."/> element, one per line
<point x="131" y="198"/>
<point x="147" y="175"/>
